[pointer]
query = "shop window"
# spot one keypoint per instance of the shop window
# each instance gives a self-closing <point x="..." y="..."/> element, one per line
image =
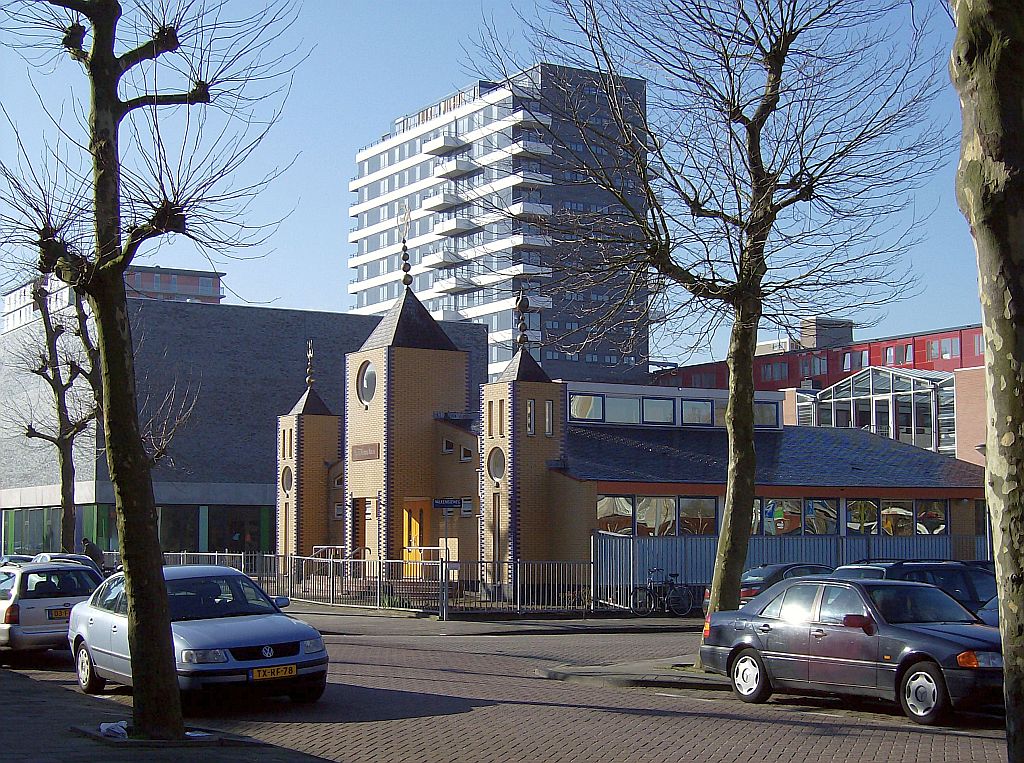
<point x="766" y="415"/>
<point x="782" y="516"/>
<point x="655" y="515"/>
<point x="821" y="516"/>
<point x="862" y="517"/>
<point x="931" y="517"/>
<point x="696" y="412"/>
<point x="897" y="518"/>
<point x="615" y="514"/>
<point x="661" y="411"/>
<point x="622" y="410"/>
<point x="698" y="515"/>
<point x="586" y="407"/>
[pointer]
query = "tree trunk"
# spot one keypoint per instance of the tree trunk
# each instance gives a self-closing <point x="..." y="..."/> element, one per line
<point x="738" y="511"/>
<point x="157" y="707"/>
<point x="66" y="463"/>
<point x="987" y="67"/>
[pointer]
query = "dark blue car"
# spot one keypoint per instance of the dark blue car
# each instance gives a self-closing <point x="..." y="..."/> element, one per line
<point x="907" y="642"/>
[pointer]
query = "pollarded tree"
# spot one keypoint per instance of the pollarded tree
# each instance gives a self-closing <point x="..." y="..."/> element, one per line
<point x="767" y="177"/>
<point x="987" y="66"/>
<point x="175" y="175"/>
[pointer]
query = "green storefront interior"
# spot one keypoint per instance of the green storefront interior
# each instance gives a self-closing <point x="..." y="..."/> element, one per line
<point x="182" y="528"/>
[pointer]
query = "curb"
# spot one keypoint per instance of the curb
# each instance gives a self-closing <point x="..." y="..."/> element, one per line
<point x="214" y="739"/>
<point x="624" y="678"/>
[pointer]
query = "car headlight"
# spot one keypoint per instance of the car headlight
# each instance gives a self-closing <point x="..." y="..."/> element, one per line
<point x="311" y="645"/>
<point x="974" y="659"/>
<point x="202" y="656"/>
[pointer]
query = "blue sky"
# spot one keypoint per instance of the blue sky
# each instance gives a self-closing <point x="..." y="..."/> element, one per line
<point x="372" y="61"/>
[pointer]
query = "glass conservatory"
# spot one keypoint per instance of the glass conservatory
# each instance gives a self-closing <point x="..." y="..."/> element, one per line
<point x="908" y="405"/>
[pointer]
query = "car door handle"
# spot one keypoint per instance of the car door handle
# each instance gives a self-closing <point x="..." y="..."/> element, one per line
<point x="818" y="633"/>
<point x="113" y="629"/>
<point x="765" y="628"/>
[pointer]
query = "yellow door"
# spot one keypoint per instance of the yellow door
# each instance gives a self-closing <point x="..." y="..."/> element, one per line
<point x="416" y="515"/>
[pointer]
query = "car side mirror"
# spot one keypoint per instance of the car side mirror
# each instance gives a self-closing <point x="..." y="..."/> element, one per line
<point x="282" y="601"/>
<point x="864" y="622"/>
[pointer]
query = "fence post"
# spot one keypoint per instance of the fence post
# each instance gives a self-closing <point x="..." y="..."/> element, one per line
<point x="593" y="573"/>
<point x="442" y="612"/>
<point x="333" y="574"/>
<point x="381" y="567"/>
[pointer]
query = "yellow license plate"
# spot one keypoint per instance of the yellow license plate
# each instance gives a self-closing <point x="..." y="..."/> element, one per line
<point x="58" y="614"/>
<point x="278" y="671"/>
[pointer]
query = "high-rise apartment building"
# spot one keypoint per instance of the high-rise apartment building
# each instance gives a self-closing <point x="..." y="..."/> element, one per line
<point x="472" y="181"/>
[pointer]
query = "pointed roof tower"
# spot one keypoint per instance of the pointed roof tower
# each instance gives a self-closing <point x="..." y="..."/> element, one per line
<point x="310" y="403"/>
<point x="408" y="324"/>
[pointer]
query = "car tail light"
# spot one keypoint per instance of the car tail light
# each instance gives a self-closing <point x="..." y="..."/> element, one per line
<point x="707" y="627"/>
<point x="707" y="594"/>
<point x="13" y="615"/>
<point x="749" y="593"/>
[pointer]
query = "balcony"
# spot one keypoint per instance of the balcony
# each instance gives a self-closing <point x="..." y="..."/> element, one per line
<point x="525" y="269"/>
<point x="453" y="168"/>
<point x="529" y="209"/>
<point x="447" y="314"/>
<point x="531" y="179"/>
<point x="529" y="148"/>
<point x="527" y="241"/>
<point x="524" y="117"/>
<point x="454" y="284"/>
<point x="510" y="335"/>
<point x="442" y="145"/>
<point x="446" y="256"/>
<point x="451" y="226"/>
<point x="441" y="200"/>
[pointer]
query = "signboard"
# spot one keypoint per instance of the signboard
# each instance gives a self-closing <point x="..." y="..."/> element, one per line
<point x="366" y="452"/>
<point x="448" y="505"/>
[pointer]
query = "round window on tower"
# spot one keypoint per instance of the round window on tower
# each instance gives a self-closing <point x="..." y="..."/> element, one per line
<point x="366" y="383"/>
<point x="286" y="479"/>
<point x="496" y="464"/>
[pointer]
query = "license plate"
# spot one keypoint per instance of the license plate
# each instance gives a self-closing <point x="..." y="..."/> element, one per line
<point x="58" y="614"/>
<point x="278" y="671"/>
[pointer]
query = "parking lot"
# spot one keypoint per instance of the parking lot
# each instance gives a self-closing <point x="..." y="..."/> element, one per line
<point x="400" y="690"/>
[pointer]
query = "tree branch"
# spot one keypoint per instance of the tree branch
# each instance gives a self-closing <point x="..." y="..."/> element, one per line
<point x="198" y="94"/>
<point x="164" y="41"/>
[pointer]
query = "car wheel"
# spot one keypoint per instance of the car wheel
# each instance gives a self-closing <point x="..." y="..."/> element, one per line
<point x="309" y="694"/>
<point x="923" y="694"/>
<point x="88" y="681"/>
<point x="749" y="679"/>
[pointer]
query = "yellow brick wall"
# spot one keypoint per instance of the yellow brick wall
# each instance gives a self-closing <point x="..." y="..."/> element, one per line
<point x="538" y="530"/>
<point x="318" y="447"/>
<point x="494" y="429"/>
<point x="457" y="479"/>
<point x="573" y="516"/>
<point x="285" y="500"/>
<point x="365" y="425"/>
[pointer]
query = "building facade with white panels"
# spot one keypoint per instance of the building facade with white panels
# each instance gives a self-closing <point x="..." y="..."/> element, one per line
<point x="480" y="173"/>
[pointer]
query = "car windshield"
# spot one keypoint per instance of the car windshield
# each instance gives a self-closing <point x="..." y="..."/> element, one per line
<point x="216" y="596"/>
<point x="756" y="575"/>
<point x="917" y="604"/>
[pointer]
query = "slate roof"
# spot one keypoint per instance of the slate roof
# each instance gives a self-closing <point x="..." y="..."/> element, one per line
<point x="408" y="324"/>
<point x="310" y="404"/>
<point x="822" y="457"/>
<point x="523" y="368"/>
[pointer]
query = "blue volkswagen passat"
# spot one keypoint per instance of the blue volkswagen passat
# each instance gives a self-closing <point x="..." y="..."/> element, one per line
<point x="227" y="633"/>
<point x="908" y="642"/>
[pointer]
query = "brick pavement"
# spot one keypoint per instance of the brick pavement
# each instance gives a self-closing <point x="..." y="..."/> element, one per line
<point x="472" y="697"/>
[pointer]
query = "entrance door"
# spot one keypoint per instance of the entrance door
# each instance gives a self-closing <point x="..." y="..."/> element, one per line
<point x="415" y="521"/>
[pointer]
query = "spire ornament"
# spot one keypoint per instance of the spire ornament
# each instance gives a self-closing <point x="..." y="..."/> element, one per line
<point x="403" y="228"/>
<point x="309" y="363"/>
<point x="522" y="306"/>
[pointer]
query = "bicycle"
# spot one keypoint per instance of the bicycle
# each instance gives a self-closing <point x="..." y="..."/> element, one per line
<point x="667" y="595"/>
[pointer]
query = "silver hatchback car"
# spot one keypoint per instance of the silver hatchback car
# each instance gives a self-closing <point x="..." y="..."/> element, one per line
<point x="36" y="600"/>
<point x="227" y="633"/>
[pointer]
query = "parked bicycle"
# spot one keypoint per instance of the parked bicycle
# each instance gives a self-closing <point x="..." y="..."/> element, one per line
<point x="665" y="595"/>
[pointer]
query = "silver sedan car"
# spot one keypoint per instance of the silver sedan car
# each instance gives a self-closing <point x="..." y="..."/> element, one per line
<point x="227" y="633"/>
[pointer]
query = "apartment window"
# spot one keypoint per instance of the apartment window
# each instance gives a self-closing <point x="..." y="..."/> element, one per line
<point x="979" y="344"/>
<point x="549" y="417"/>
<point x="447" y="446"/>
<point x="890" y="356"/>
<point x="933" y="349"/>
<point x="465" y="454"/>
<point x="855" y="359"/>
<point x="591" y="358"/>
<point x="950" y="348"/>
<point x="501" y="418"/>
<point x="531" y="418"/>
<point x="339" y="511"/>
<point x="490" y="418"/>
<point x="910" y="353"/>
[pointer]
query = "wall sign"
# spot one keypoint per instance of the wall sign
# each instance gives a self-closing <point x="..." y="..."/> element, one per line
<point x="366" y="452"/>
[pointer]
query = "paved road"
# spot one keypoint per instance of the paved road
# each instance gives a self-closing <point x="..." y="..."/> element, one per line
<point x="402" y="692"/>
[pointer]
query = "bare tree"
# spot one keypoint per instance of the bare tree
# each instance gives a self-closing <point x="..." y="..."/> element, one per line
<point x="766" y="178"/>
<point x="176" y="176"/>
<point x="987" y="68"/>
<point x="66" y="360"/>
